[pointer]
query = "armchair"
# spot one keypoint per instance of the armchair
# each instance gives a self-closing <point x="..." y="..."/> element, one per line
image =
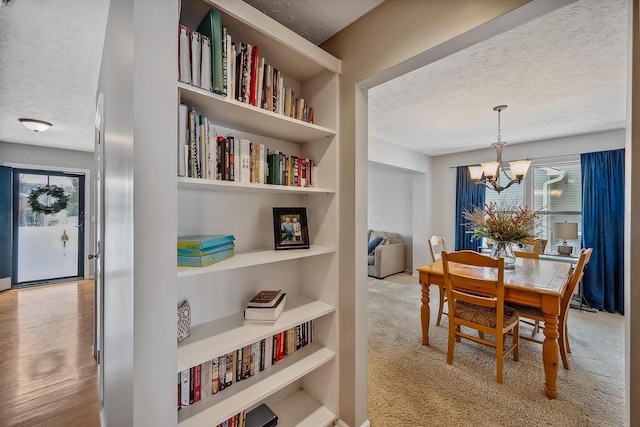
<point x="389" y="256"/>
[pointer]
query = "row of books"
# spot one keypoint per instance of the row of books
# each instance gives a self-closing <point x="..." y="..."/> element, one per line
<point x="260" y="416"/>
<point x="204" y="154"/>
<point x="204" y="250"/>
<point x="238" y="420"/>
<point x="208" y="58"/>
<point x="204" y="380"/>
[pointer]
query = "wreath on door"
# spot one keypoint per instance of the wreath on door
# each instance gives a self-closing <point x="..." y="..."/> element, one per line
<point x="48" y="199"/>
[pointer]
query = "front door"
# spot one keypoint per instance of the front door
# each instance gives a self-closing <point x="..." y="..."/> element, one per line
<point x="48" y="226"/>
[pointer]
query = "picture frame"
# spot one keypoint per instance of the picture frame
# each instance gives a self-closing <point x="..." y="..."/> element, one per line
<point x="286" y="234"/>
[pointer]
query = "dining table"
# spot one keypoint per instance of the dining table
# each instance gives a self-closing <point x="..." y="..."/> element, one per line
<point x="533" y="282"/>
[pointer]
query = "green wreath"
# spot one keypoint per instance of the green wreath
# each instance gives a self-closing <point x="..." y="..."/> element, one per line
<point x="56" y="200"/>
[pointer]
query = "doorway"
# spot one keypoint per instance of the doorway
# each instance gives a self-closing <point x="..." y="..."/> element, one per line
<point x="48" y="226"/>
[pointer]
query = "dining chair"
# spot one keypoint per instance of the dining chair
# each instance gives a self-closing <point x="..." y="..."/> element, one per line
<point x="484" y="310"/>
<point x="534" y="314"/>
<point x="437" y="245"/>
<point x="538" y="247"/>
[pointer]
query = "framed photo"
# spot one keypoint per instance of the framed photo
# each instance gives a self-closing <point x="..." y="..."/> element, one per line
<point x="290" y="229"/>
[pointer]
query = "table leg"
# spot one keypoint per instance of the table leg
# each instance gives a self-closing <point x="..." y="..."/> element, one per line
<point x="550" y="350"/>
<point x="425" y="313"/>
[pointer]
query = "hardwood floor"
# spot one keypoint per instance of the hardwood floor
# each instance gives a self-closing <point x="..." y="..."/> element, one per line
<point x="48" y="376"/>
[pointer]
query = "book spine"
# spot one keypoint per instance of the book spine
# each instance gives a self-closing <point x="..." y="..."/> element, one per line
<point x="184" y="388"/>
<point x="196" y="386"/>
<point x="215" y="375"/>
<point x="254" y="75"/>
<point x="192" y="384"/>
<point x="225" y="53"/>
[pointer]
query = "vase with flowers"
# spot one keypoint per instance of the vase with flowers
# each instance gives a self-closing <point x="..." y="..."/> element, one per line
<point x="505" y="223"/>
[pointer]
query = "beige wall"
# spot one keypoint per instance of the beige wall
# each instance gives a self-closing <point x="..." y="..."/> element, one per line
<point x="396" y="37"/>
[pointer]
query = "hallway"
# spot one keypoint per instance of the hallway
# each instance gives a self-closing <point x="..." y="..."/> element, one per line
<point x="48" y="376"/>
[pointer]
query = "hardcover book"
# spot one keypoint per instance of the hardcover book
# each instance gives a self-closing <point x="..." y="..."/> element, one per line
<point x="206" y="251"/>
<point x="266" y="313"/>
<point x="261" y="416"/>
<point x="202" y="242"/>
<point x="211" y="26"/>
<point x="265" y="298"/>
<point x="204" y="261"/>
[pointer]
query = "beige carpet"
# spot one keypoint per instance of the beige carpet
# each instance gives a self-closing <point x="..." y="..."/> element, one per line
<point x="412" y="385"/>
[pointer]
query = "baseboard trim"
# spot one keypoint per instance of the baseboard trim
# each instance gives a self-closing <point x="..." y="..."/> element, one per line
<point x="341" y="423"/>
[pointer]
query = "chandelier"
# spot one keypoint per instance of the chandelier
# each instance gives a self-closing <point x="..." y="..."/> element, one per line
<point x="488" y="173"/>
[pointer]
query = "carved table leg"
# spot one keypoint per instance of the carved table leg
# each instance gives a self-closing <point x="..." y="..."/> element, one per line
<point x="425" y="313"/>
<point x="550" y="350"/>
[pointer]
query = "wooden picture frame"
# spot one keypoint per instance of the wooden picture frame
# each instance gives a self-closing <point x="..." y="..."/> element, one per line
<point x="288" y="235"/>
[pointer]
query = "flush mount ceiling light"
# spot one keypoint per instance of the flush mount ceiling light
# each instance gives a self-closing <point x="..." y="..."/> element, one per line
<point x="35" y="125"/>
<point x="488" y="173"/>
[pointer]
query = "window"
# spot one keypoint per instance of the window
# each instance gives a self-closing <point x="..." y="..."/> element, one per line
<point x="553" y="189"/>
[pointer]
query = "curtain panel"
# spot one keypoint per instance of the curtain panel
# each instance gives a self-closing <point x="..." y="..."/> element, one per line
<point x="603" y="228"/>
<point x="468" y="196"/>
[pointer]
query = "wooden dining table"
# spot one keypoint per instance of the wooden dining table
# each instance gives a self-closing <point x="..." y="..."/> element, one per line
<point x="533" y="282"/>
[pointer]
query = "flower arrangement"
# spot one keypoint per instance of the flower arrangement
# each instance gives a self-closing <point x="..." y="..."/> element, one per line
<point x="505" y="222"/>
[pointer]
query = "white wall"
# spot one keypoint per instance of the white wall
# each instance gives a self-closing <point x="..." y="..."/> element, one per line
<point x="390" y="205"/>
<point x="444" y="192"/>
<point x="57" y="159"/>
<point x="138" y="80"/>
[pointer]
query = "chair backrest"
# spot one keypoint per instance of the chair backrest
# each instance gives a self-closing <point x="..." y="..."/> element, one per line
<point x="575" y="276"/>
<point x="436" y="246"/>
<point x="538" y="245"/>
<point x="487" y="285"/>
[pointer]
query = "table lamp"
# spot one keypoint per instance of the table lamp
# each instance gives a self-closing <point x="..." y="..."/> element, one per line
<point x="565" y="231"/>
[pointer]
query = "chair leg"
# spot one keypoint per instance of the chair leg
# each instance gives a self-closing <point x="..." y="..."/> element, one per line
<point x="499" y="358"/>
<point x="536" y="329"/>
<point x="442" y="291"/>
<point x="563" y="343"/>
<point x="516" y="341"/>
<point x="566" y="337"/>
<point x="452" y="341"/>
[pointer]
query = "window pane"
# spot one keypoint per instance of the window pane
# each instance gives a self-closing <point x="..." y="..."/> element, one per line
<point x="514" y="194"/>
<point x="558" y="196"/>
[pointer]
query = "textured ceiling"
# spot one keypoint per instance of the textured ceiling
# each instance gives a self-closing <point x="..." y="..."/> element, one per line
<point x="315" y="20"/>
<point x="50" y="54"/>
<point x="561" y="74"/>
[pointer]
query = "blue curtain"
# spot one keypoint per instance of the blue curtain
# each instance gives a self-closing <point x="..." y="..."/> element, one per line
<point x="603" y="228"/>
<point x="468" y="195"/>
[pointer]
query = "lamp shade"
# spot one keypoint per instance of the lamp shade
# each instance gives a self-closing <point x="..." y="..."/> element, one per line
<point x="475" y="172"/>
<point x="490" y="169"/>
<point x="519" y="168"/>
<point x="565" y="230"/>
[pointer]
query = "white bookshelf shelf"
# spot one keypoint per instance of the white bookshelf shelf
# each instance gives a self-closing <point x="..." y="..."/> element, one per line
<point x="239" y="187"/>
<point x="300" y="409"/>
<point x="230" y="333"/>
<point x="248" y="118"/>
<point x="258" y="257"/>
<point x="247" y="393"/>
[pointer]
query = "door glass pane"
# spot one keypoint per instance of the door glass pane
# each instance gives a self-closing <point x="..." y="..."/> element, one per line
<point x="47" y="243"/>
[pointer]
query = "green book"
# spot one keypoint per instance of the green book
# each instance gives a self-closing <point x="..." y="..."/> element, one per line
<point x="211" y="26"/>
<point x="204" y="242"/>
<point x="203" y="261"/>
<point x="206" y="251"/>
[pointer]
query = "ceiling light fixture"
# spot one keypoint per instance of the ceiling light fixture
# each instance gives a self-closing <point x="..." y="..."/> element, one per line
<point x="488" y="173"/>
<point x="35" y="125"/>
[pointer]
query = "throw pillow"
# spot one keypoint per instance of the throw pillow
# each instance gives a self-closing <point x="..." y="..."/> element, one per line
<point x="373" y="244"/>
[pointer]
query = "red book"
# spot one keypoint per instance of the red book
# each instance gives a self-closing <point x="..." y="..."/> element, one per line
<point x="253" y="88"/>
<point x="196" y="386"/>
<point x="280" y="350"/>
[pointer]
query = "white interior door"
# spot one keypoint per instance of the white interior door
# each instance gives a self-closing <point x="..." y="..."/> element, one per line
<point x="98" y="335"/>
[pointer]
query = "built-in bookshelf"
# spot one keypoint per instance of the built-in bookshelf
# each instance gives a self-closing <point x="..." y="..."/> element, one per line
<point x="303" y="387"/>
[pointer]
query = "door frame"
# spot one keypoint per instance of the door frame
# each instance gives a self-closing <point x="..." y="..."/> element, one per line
<point x="88" y="208"/>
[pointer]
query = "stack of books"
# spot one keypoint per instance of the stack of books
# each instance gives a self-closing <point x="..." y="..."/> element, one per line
<point x="201" y="251"/>
<point x="266" y="306"/>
